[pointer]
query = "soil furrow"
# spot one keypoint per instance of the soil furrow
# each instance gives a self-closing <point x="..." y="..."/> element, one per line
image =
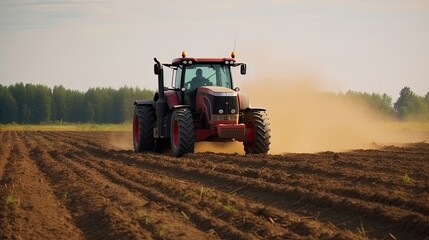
<point x="154" y="183"/>
<point x="359" y="208"/>
<point x="255" y="191"/>
<point x="320" y="204"/>
<point x="183" y="195"/>
<point x="32" y="210"/>
<point x="122" y="207"/>
<point x="5" y="146"/>
<point x="233" y="170"/>
<point x="331" y="179"/>
<point x="104" y="192"/>
<point x="201" y="219"/>
<point x="91" y="211"/>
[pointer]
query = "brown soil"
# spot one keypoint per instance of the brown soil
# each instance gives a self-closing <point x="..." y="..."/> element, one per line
<point x="78" y="185"/>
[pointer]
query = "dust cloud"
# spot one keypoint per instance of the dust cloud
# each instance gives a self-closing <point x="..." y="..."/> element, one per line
<point x="220" y="147"/>
<point x="120" y="140"/>
<point x="303" y="119"/>
<point x="124" y="141"/>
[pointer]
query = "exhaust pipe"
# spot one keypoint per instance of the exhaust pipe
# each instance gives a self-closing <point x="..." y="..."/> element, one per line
<point x="160" y="131"/>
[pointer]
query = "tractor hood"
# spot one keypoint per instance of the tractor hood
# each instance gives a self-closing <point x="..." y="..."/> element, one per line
<point x="217" y="100"/>
<point x="217" y="91"/>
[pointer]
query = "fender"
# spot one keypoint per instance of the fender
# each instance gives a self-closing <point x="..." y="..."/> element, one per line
<point x="179" y="106"/>
<point x="254" y="109"/>
<point x="172" y="99"/>
<point x="243" y="101"/>
<point x="143" y="102"/>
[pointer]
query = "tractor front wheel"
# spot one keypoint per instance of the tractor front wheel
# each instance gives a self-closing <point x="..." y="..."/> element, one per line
<point x="257" y="139"/>
<point x="182" y="135"/>
<point x="143" y="123"/>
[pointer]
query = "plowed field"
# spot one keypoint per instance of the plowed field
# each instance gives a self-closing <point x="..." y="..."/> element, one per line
<point x="77" y="185"/>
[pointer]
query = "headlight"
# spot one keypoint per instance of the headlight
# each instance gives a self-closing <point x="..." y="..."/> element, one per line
<point x="233" y="111"/>
<point x="220" y="111"/>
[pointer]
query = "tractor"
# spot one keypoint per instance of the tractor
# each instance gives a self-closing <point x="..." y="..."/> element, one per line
<point x="202" y="104"/>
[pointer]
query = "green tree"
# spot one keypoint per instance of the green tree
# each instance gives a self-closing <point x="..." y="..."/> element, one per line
<point x="75" y="105"/>
<point x="18" y="92"/>
<point x="378" y="102"/>
<point x="94" y="98"/>
<point x="59" y="107"/>
<point x="39" y="103"/>
<point x="426" y="106"/>
<point x="90" y="113"/>
<point x="409" y="105"/>
<point x="38" y="100"/>
<point x="8" y="106"/>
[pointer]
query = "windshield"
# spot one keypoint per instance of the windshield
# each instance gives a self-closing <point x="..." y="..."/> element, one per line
<point x="207" y="75"/>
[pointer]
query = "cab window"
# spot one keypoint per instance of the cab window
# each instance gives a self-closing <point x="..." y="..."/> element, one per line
<point x="178" y="78"/>
<point x="214" y="75"/>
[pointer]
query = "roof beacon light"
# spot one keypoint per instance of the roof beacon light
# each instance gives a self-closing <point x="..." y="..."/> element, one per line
<point x="183" y="54"/>
<point x="233" y="54"/>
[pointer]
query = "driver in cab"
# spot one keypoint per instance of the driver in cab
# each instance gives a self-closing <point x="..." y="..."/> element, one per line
<point x="199" y="80"/>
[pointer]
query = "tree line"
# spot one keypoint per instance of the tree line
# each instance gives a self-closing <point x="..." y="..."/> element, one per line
<point x="409" y="105"/>
<point x="35" y="104"/>
<point x="29" y="103"/>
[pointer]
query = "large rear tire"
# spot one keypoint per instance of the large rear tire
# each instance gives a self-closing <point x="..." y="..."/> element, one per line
<point x="258" y="130"/>
<point x="143" y="124"/>
<point x="182" y="133"/>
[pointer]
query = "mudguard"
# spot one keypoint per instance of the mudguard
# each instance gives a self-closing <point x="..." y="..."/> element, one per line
<point x="143" y="102"/>
<point x="243" y="101"/>
<point x="249" y="109"/>
<point x="179" y="106"/>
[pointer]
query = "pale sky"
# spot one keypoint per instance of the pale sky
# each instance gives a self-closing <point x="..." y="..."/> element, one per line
<point x="373" y="46"/>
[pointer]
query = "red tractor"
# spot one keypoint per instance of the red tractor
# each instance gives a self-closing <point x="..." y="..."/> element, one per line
<point x="201" y="105"/>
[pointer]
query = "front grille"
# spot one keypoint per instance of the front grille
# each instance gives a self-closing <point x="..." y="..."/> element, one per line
<point x="226" y="103"/>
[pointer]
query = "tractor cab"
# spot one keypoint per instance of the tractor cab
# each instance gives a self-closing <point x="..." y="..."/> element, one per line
<point x="189" y="74"/>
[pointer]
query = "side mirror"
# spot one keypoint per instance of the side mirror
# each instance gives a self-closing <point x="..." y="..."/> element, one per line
<point x="156" y="69"/>
<point x="243" y="69"/>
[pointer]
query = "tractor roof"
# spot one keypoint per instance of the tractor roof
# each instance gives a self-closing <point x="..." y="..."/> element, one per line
<point x="186" y="60"/>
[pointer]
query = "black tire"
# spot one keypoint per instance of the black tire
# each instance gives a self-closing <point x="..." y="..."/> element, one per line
<point x="257" y="132"/>
<point x="182" y="133"/>
<point x="143" y="124"/>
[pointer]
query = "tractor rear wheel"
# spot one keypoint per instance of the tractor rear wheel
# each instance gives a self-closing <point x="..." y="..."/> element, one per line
<point x="182" y="135"/>
<point x="258" y="136"/>
<point x="143" y="123"/>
